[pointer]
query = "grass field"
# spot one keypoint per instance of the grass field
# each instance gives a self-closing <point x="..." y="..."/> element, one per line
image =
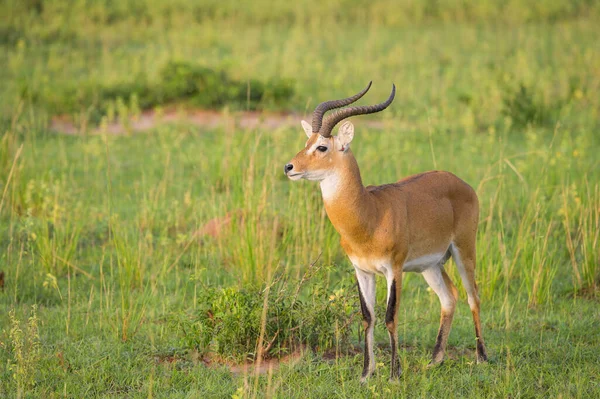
<point x="110" y="288"/>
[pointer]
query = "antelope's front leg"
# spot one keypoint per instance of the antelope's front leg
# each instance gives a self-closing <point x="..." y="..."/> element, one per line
<point x="366" y="291"/>
<point x="394" y="285"/>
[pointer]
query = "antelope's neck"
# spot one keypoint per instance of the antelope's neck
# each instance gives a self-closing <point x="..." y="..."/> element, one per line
<point x="347" y="202"/>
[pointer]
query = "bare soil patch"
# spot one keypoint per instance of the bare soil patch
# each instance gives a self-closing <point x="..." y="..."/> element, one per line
<point x="209" y="119"/>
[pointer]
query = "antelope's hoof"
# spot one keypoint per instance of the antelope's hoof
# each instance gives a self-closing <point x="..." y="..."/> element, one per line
<point x="435" y="363"/>
<point x="365" y="377"/>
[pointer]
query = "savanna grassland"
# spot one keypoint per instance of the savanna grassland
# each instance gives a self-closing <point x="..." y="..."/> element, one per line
<point x="112" y="286"/>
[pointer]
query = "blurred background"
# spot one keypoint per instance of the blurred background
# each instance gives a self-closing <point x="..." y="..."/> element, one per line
<point x="465" y="62"/>
<point x="150" y="245"/>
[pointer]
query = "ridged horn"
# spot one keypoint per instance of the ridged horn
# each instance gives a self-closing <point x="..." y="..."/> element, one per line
<point x="333" y="119"/>
<point x="320" y="110"/>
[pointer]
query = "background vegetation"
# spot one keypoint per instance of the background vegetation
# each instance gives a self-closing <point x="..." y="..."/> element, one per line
<point x="113" y="289"/>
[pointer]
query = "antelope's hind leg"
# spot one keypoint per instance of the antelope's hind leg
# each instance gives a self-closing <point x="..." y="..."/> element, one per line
<point x="442" y="285"/>
<point x="464" y="257"/>
<point x="394" y="285"/>
<point x="366" y="291"/>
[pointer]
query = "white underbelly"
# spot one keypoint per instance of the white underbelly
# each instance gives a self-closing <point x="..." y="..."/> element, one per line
<point x="418" y="265"/>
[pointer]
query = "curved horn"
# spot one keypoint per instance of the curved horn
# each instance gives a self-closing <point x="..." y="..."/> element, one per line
<point x="318" y="113"/>
<point x="341" y="114"/>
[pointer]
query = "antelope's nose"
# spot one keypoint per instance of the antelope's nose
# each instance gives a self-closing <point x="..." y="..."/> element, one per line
<point x="287" y="168"/>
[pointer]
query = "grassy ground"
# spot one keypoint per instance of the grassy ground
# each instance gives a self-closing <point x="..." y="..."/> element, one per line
<point x="108" y="290"/>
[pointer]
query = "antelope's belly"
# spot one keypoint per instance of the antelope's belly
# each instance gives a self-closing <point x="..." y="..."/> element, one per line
<point x="382" y="265"/>
<point x="422" y="263"/>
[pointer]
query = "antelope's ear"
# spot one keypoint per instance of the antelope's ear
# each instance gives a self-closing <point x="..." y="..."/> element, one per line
<point x="307" y="128"/>
<point x="345" y="135"/>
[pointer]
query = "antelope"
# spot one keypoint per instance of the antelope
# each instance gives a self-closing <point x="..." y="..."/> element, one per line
<point x="413" y="225"/>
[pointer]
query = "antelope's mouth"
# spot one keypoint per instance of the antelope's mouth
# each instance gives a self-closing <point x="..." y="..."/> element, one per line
<point x="295" y="176"/>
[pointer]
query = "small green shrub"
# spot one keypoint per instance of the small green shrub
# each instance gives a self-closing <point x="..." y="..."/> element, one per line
<point x="209" y="88"/>
<point x="525" y="108"/>
<point x="181" y="80"/>
<point x="25" y="350"/>
<point x="228" y="321"/>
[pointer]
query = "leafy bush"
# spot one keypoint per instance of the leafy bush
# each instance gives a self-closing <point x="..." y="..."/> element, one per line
<point x="178" y="82"/>
<point x="525" y="108"/>
<point x="183" y="80"/>
<point x="228" y="322"/>
<point x="206" y="87"/>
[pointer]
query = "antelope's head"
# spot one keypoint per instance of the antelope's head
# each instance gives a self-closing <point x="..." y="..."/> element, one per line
<point x="323" y="152"/>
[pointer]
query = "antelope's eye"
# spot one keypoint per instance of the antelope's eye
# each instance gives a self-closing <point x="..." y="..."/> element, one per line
<point x="321" y="148"/>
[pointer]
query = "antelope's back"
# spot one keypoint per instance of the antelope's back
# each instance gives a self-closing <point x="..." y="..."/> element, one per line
<point x="434" y="206"/>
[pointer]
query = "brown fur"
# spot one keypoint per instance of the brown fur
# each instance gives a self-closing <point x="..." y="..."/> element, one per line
<point x="415" y="216"/>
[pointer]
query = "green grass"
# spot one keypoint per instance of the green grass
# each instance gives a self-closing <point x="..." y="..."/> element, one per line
<point x="97" y="232"/>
